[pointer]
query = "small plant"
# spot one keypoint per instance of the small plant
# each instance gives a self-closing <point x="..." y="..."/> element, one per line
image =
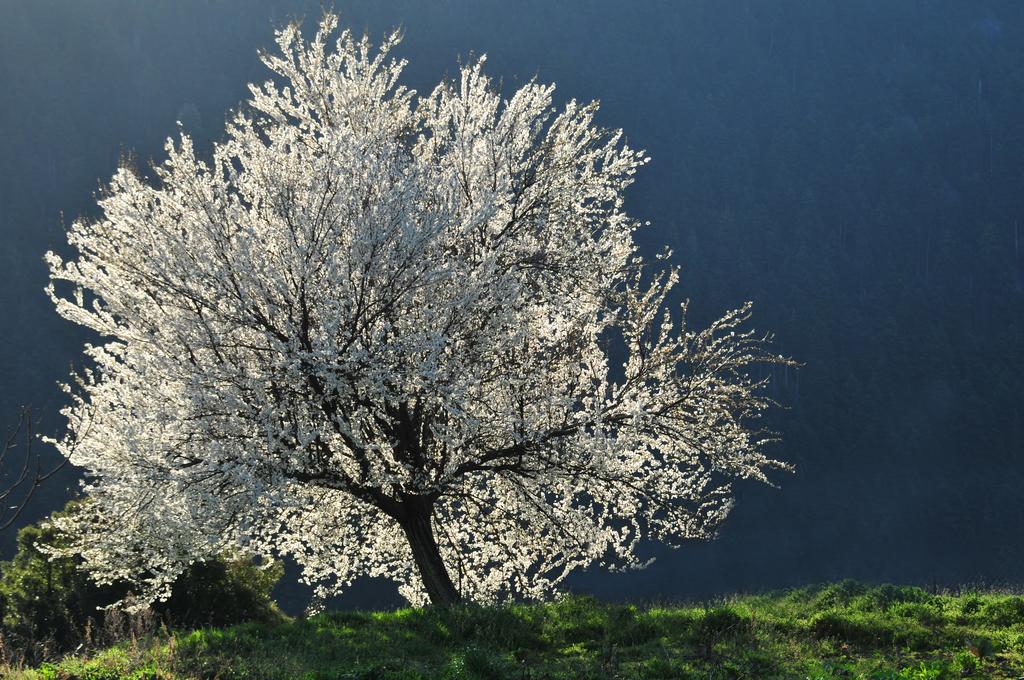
<point x="934" y="670"/>
<point x="966" y="662"/>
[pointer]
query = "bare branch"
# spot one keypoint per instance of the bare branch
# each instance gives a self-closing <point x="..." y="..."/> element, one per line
<point x="22" y="469"/>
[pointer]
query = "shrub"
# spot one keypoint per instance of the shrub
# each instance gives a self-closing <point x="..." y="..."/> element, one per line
<point x="926" y="615"/>
<point x="48" y="602"/>
<point x="51" y="605"/>
<point x="838" y="594"/>
<point x="222" y="592"/>
<point x="855" y="630"/>
<point x="722" y="621"/>
<point x="1004" y="611"/>
<point x="887" y="595"/>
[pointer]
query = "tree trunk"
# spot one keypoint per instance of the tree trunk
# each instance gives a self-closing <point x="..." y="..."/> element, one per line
<point x="420" y="534"/>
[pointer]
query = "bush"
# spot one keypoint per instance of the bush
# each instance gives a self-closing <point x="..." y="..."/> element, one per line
<point x="1004" y="611"/>
<point x="221" y="593"/>
<point x="838" y="594"/>
<point x="860" y="631"/>
<point x="925" y="614"/>
<point x="51" y="605"/>
<point x="886" y="595"/>
<point x="49" y="602"/>
<point x="721" y="622"/>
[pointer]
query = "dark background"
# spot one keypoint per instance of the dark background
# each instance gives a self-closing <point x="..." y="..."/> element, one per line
<point x="854" y="167"/>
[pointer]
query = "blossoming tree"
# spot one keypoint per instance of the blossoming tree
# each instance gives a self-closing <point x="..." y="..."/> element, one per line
<point x="374" y="331"/>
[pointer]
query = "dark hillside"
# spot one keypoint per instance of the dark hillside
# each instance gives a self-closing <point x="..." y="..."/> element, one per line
<point x="853" y="167"/>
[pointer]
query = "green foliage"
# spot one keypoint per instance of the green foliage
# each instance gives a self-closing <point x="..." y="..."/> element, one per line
<point x="49" y="605"/>
<point x="222" y="592"/>
<point x="48" y="601"/>
<point x="721" y="621"/>
<point x="838" y="631"/>
<point x="1005" y="611"/>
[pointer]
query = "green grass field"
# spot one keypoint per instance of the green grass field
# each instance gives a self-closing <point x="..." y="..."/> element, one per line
<point x="844" y="630"/>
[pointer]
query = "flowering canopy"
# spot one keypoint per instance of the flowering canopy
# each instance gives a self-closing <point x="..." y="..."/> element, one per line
<point x="374" y="333"/>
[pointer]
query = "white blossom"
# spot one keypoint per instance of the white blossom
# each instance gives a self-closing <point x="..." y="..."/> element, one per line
<point x="375" y="329"/>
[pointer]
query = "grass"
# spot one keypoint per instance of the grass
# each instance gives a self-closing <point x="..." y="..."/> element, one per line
<point x="845" y="630"/>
